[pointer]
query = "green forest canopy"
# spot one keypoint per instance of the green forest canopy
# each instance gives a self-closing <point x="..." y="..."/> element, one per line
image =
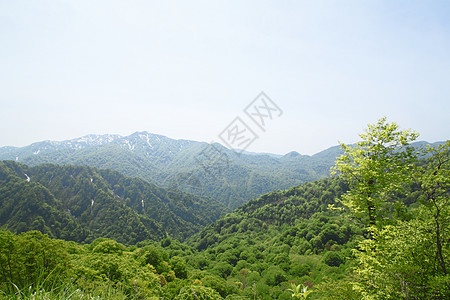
<point x="377" y="230"/>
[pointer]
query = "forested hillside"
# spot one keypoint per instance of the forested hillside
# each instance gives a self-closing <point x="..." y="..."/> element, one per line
<point x="228" y="176"/>
<point x="82" y="203"/>
<point x="254" y="252"/>
<point x="377" y="229"/>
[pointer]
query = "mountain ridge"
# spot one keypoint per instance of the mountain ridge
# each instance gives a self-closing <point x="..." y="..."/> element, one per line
<point x="82" y="203"/>
<point x="99" y="139"/>
<point x="211" y="170"/>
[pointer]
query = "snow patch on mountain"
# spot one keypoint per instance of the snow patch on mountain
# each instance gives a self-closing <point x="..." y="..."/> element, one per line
<point x="130" y="146"/>
<point x="147" y="139"/>
<point x="93" y="140"/>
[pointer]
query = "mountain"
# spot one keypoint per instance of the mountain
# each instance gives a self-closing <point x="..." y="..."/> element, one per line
<point x="200" y="168"/>
<point x="212" y="170"/>
<point x="276" y="240"/>
<point x="82" y="203"/>
<point x="276" y="210"/>
<point x="45" y="147"/>
<point x="260" y="251"/>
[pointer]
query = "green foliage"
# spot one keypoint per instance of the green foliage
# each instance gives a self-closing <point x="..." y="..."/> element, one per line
<point x="274" y="276"/>
<point x="32" y="266"/>
<point x="242" y="263"/>
<point x="376" y="168"/>
<point x="404" y="258"/>
<point x="336" y="290"/>
<point x="82" y="203"/>
<point x="179" y="267"/>
<point x="277" y="239"/>
<point x="197" y="292"/>
<point x="222" y="269"/>
<point x="184" y="165"/>
<point x="333" y="259"/>
<point x="254" y="253"/>
<point x="31" y="258"/>
<point x="281" y="245"/>
<point x="299" y="291"/>
<point x="110" y="247"/>
<point x="434" y="180"/>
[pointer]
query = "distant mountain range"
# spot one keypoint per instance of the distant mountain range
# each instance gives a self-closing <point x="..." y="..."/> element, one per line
<point x="82" y="203"/>
<point x="200" y="168"/>
<point x="212" y="170"/>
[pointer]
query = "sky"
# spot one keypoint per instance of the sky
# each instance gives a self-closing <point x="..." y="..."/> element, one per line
<point x="188" y="69"/>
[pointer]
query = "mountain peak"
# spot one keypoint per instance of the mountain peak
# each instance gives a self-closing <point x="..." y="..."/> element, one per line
<point x="94" y="139"/>
<point x="292" y="154"/>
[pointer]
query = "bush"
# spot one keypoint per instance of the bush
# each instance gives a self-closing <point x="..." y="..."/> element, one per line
<point x="197" y="292"/>
<point x="110" y="247"/>
<point x="333" y="259"/>
<point x="274" y="276"/>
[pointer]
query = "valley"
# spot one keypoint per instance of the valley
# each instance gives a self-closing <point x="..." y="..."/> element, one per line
<point x="75" y="227"/>
<point x="210" y="170"/>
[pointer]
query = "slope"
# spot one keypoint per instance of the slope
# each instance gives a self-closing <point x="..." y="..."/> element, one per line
<point x="103" y="202"/>
<point x="195" y="167"/>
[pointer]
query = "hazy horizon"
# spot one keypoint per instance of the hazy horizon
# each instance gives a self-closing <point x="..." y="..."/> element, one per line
<point x="188" y="70"/>
<point x="248" y="151"/>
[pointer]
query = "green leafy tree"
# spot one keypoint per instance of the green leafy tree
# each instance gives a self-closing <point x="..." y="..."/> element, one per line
<point x="274" y="276"/>
<point x="223" y="269"/>
<point x="376" y="168"/>
<point x="333" y="259"/>
<point x="109" y="246"/>
<point x="400" y="263"/>
<point x="198" y="292"/>
<point x="336" y="290"/>
<point x="404" y="258"/>
<point x="434" y="178"/>
<point x="179" y="267"/>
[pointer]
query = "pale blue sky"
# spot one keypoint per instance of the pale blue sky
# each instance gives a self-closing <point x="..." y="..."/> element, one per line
<point x="186" y="69"/>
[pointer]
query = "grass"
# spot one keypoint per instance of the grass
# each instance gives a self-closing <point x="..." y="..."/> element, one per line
<point x="61" y="291"/>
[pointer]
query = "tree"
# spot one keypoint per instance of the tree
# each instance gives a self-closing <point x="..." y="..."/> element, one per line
<point x="179" y="267"/>
<point x="404" y="258"/>
<point x="109" y="246"/>
<point x="198" y="292"/>
<point x="400" y="263"/>
<point x="376" y="168"/>
<point x="434" y="180"/>
<point x="333" y="259"/>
